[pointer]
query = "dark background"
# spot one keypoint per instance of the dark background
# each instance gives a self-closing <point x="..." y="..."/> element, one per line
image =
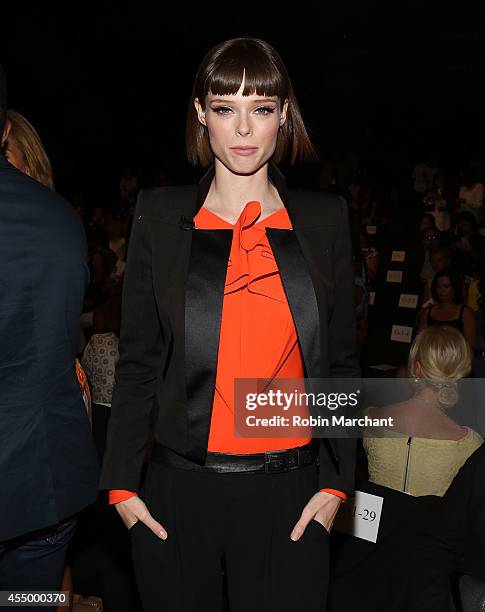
<point x="107" y="86"/>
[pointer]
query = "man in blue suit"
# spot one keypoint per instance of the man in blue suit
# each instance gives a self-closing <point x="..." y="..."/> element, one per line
<point x="48" y="461"/>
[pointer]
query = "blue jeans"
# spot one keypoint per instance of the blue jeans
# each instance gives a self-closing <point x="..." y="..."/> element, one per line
<point x="36" y="561"/>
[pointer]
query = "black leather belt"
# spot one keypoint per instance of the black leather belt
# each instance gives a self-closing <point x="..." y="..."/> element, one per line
<point x="270" y="462"/>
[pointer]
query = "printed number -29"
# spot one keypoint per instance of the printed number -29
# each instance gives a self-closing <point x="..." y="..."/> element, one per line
<point x="368" y="515"/>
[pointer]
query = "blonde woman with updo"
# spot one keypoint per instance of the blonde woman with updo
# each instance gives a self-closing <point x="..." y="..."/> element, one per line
<point x="425" y="449"/>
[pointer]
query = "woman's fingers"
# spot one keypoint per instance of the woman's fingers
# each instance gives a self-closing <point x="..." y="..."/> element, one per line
<point x="299" y="528"/>
<point x="134" y="510"/>
<point x="322" y="507"/>
<point x="155" y="526"/>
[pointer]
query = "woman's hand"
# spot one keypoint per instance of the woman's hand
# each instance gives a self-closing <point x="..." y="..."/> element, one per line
<point x="133" y="510"/>
<point x="323" y="508"/>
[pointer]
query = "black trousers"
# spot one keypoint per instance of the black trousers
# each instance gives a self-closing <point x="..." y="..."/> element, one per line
<point x="232" y="528"/>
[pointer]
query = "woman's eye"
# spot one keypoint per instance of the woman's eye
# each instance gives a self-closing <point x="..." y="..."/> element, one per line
<point x="222" y="110"/>
<point x="265" y="110"/>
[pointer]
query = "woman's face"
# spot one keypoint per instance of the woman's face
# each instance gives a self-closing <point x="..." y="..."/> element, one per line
<point x="242" y="129"/>
<point x="425" y="224"/>
<point x="465" y="228"/>
<point x="439" y="182"/>
<point x="15" y="156"/>
<point x="444" y="289"/>
<point x="438" y="261"/>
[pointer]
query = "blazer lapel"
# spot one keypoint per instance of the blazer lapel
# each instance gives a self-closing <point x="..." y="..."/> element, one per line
<point x="209" y="255"/>
<point x="300" y="294"/>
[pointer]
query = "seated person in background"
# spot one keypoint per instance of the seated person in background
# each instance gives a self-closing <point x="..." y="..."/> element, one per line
<point x="430" y="241"/>
<point x="102" y="265"/>
<point x="448" y="308"/>
<point x="426" y="222"/>
<point x="467" y="245"/>
<point x="472" y="191"/>
<point x="438" y="202"/>
<point x="440" y="259"/>
<point x="99" y="361"/>
<point x="426" y="448"/>
<point x="117" y="243"/>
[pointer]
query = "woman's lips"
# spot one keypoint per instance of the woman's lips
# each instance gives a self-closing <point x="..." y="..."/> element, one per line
<point x="244" y="150"/>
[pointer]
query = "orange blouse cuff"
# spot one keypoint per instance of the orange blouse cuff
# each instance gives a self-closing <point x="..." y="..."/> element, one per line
<point x="117" y="495"/>
<point x="340" y="494"/>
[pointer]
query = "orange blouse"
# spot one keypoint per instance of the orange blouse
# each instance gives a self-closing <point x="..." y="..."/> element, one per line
<point x="257" y="336"/>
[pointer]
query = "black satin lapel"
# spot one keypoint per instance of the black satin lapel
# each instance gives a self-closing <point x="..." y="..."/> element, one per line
<point x="300" y="294"/>
<point x="209" y="255"/>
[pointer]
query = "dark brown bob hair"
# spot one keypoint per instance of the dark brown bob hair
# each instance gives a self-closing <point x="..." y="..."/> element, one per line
<point x="221" y="73"/>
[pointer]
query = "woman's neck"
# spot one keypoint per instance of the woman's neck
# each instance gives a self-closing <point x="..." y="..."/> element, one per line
<point x="445" y="304"/>
<point x="427" y="397"/>
<point x="229" y="192"/>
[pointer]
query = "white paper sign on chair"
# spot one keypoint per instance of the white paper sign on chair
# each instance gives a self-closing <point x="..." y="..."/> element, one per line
<point x="398" y="256"/>
<point x="408" y="300"/>
<point x="401" y="333"/>
<point x="394" y="276"/>
<point x="361" y="516"/>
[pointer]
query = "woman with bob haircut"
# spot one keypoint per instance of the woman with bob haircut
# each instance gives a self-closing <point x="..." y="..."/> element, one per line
<point x="236" y="278"/>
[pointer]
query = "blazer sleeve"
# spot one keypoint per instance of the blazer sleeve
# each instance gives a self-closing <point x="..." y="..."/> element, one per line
<point x="141" y="357"/>
<point x="337" y="456"/>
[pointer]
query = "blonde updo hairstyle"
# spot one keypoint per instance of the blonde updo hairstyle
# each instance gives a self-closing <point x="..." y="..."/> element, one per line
<point x="444" y="356"/>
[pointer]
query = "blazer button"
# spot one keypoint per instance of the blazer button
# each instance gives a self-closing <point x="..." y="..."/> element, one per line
<point x="186" y="224"/>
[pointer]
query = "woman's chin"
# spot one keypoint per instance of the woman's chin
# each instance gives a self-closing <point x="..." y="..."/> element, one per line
<point x="243" y="167"/>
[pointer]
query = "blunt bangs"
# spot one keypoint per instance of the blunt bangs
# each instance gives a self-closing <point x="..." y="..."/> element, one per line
<point x="262" y="76"/>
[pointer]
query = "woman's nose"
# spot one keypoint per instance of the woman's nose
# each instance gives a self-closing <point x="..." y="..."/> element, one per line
<point x="243" y="127"/>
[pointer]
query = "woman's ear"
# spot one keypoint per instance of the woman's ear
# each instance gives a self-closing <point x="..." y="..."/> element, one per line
<point x="284" y="112"/>
<point x="200" y="111"/>
<point x="418" y="372"/>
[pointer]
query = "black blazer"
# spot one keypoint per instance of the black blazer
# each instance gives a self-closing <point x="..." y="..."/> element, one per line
<point x="48" y="462"/>
<point x="454" y="542"/>
<point x="172" y="305"/>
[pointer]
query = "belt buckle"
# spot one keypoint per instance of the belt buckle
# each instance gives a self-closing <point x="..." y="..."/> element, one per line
<point x="277" y="461"/>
